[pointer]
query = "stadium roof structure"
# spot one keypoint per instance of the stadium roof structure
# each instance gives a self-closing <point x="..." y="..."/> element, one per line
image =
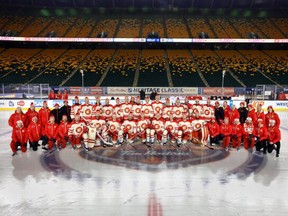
<point x="154" y="4"/>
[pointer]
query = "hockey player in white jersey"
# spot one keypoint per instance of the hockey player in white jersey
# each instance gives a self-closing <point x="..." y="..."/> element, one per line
<point x="184" y="129"/>
<point x="86" y="110"/>
<point x="171" y="126"/>
<point x="128" y="130"/>
<point x="142" y="125"/>
<point x="113" y="128"/>
<point x="157" y="128"/>
<point x="107" y="109"/>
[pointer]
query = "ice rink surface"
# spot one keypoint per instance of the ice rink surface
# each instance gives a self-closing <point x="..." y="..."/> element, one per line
<point x="129" y="181"/>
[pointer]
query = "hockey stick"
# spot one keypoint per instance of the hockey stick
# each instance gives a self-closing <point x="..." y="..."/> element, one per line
<point x="197" y="141"/>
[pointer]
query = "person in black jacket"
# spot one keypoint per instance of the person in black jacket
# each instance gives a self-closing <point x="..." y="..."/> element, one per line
<point x="56" y="113"/>
<point x="66" y="110"/>
<point x="243" y="113"/>
<point x="219" y="113"/>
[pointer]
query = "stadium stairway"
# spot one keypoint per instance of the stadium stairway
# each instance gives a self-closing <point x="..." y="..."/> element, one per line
<point x="136" y="77"/>
<point x="107" y="69"/>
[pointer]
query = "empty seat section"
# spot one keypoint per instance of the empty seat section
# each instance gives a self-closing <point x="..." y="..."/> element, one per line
<point x="244" y="26"/>
<point x="18" y="23"/>
<point x="129" y="28"/>
<point x="105" y="25"/>
<point x="211" y="67"/>
<point x="59" y="25"/>
<point x="268" y="28"/>
<point x="176" y="28"/>
<point x="62" y="67"/>
<point x="242" y="68"/>
<point x="152" y="71"/>
<point x="152" y="25"/>
<point x="123" y="68"/>
<point x="198" y="25"/>
<point x="223" y="28"/>
<point x="36" y="26"/>
<point x="183" y="69"/>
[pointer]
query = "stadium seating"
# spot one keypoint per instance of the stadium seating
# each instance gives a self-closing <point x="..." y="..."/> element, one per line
<point x="123" y="68"/>
<point x="242" y="68"/>
<point x="62" y="67"/>
<point x="17" y="23"/>
<point x="211" y="67"/>
<point x="59" y="25"/>
<point x="268" y="28"/>
<point x="282" y="24"/>
<point x="129" y="28"/>
<point x="183" y="69"/>
<point x="245" y="26"/>
<point x="105" y="25"/>
<point x="152" y="71"/>
<point x="35" y="27"/>
<point x="152" y="25"/>
<point x="198" y="25"/>
<point x="223" y="28"/>
<point x="176" y="28"/>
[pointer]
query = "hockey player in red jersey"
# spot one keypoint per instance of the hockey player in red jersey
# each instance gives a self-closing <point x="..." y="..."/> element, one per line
<point x="51" y="132"/>
<point x="157" y="128"/>
<point x="261" y="134"/>
<point x="107" y="109"/>
<point x="31" y="112"/>
<point x="200" y="132"/>
<point x="76" y="130"/>
<point x="167" y="109"/>
<point x="249" y="133"/>
<point x="236" y="134"/>
<point x="226" y="109"/>
<point x="136" y="109"/>
<point x="214" y="131"/>
<point x="113" y="127"/>
<point x="86" y="110"/>
<point x="19" y="137"/>
<point x="44" y="114"/>
<point x="226" y="131"/>
<point x="63" y="132"/>
<point x="157" y="105"/>
<point x="271" y="115"/>
<point x="35" y="131"/>
<point x="171" y="126"/>
<point x="126" y="108"/>
<point x="142" y="125"/>
<point x="178" y="110"/>
<point x="128" y="129"/>
<point x="274" y="138"/>
<point x="147" y="108"/>
<point x="16" y="116"/>
<point x="75" y="107"/>
<point x="118" y="110"/>
<point x="184" y="130"/>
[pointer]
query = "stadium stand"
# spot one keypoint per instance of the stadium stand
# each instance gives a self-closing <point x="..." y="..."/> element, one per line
<point x="268" y="27"/>
<point x="211" y="67"/>
<point x="198" y="25"/>
<point x="122" y="69"/>
<point x="105" y="25"/>
<point x="176" y="28"/>
<point x="223" y="28"/>
<point x="277" y="70"/>
<point x="17" y="23"/>
<point x="152" y="71"/>
<point x="242" y="68"/>
<point x="244" y="26"/>
<point x="129" y="28"/>
<point x="59" y="25"/>
<point x="183" y="69"/>
<point x="153" y="25"/>
<point x="62" y="67"/>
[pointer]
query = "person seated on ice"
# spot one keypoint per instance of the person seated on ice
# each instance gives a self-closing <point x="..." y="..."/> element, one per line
<point x="274" y="138"/>
<point x="50" y="133"/>
<point x="34" y="133"/>
<point x="129" y="129"/>
<point x="184" y="130"/>
<point x="261" y="136"/>
<point x="236" y="135"/>
<point x="63" y="132"/>
<point x="171" y="126"/>
<point x="226" y="131"/>
<point x="19" y="138"/>
<point x="76" y="131"/>
<point x="157" y="128"/>
<point x="16" y="116"/>
<point x="142" y="125"/>
<point x="113" y="127"/>
<point x="248" y="133"/>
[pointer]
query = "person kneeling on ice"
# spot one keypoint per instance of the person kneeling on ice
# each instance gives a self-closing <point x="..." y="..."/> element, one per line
<point x="214" y="131"/>
<point x="76" y="131"/>
<point x="63" y="132"/>
<point x="261" y="136"/>
<point x="274" y="138"/>
<point x="34" y="133"/>
<point x="51" y="132"/>
<point x="19" y="138"/>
